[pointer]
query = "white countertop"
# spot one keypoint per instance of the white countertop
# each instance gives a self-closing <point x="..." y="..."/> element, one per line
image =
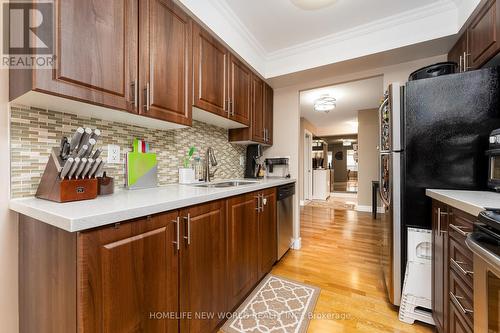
<point x="128" y="204"/>
<point x="472" y="202"/>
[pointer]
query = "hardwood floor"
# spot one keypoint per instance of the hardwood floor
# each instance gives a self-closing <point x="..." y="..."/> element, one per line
<point x="340" y="255"/>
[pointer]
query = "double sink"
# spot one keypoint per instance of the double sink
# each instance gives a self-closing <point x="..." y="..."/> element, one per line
<point x="224" y="184"/>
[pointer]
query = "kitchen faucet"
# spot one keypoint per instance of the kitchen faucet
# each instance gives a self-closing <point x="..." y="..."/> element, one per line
<point x="210" y="161"/>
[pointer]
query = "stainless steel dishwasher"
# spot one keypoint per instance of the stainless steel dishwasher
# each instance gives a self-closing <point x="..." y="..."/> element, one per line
<point x="285" y="218"/>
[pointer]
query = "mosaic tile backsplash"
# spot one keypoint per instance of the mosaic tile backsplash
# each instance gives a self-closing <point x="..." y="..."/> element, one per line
<point x="35" y="131"/>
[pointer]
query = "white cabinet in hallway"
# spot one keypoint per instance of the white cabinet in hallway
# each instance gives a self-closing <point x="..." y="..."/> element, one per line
<point x="321" y="184"/>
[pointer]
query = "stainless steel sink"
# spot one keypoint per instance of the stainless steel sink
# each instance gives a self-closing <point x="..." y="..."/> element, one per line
<point x="232" y="183"/>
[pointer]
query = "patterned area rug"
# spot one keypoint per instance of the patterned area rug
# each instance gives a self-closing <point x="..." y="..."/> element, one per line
<point x="277" y="305"/>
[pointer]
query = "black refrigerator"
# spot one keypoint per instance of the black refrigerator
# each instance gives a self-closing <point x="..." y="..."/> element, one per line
<point x="446" y="122"/>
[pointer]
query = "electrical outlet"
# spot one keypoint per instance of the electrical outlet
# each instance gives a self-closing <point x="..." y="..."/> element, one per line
<point x="113" y="154"/>
<point x="242" y="160"/>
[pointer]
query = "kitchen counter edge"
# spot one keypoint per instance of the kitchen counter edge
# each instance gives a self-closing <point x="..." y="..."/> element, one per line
<point x="127" y="205"/>
<point x="472" y="202"/>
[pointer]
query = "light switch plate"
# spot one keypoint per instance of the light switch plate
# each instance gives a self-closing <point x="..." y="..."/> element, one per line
<point x="114" y="154"/>
<point x="242" y="160"/>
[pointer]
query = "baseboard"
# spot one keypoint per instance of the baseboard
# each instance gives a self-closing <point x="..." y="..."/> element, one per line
<point x="343" y="195"/>
<point x="297" y="243"/>
<point x="368" y="209"/>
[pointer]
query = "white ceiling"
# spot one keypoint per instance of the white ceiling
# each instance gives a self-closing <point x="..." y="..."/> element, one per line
<point x="279" y="24"/>
<point x="351" y="97"/>
<point x="277" y="38"/>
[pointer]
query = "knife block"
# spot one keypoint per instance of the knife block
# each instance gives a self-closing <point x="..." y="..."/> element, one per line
<point x="53" y="188"/>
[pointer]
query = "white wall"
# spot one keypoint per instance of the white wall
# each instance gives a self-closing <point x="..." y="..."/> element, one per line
<point x="368" y="137"/>
<point x="287" y="113"/>
<point x="8" y="222"/>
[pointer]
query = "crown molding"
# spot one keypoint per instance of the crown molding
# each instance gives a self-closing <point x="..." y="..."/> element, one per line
<point x="239" y="27"/>
<point x="365" y="29"/>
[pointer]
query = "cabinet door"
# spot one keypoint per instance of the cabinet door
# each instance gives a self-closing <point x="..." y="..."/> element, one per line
<point x="242" y="247"/>
<point x="267" y="233"/>
<point x="459" y="51"/>
<point x="440" y="266"/>
<point x="96" y="53"/>
<point x="269" y="112"/>
<point x="210" y="72"/>
<point x="258" y="116"/>
<point x="203" y="273"/>
<point x="239" y="91"/>
<point x="166" y="61"/>
<point x="483" y="34"/>
<point x="128" y="273"/>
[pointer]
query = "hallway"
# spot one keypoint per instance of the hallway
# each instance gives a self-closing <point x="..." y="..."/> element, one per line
<point x="339" y="254"/>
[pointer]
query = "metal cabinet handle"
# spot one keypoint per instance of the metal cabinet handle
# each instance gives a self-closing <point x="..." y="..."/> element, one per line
<point x="459" y="230"/>
<point x="177" y="241"/>
<point x="458" y="264"/>
<point x="147" y="106"/>
<point x="188" y="220"/>
<point x="258" y="203"/>
<point x="456" y="300"/>
<point x="440" y="213"/>
<point x="134" y="87"/>
<point x="466" y="65"/>
<point x="231" y="107"/>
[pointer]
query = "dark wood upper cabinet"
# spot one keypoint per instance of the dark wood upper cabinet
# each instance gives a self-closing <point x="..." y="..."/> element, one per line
<point x="258" y="115"/>
<point x="210" y="72"/>
<point x="242" y="247"/>
<point x="126" y="273"/>
<point x="479" y="42"/>
<point x="239" y="91"/>
<point x="269" y="113"/>
<point x="96" y="55"/>
<point x="267" y="233"/>
<point x="261" y="124"/>
<point x="203" y="274"/>
<point x="166" y="62"/>
<point x="440" y="266"/>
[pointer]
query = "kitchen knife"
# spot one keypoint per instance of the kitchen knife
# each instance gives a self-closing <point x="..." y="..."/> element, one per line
<point x="86" y="170"/>
<point x="66" y="151"/>
<point x="64" y="140"/>
<point x="94" y="167"/>
<point x="75" y="140"/>
<point x="67" y="167"/>
<point x="100" y="169"/>
<point x="74" y="167"/>
<point x="91" y="145"/>
<point x="81" y="166"/>
<point x="85" y="137"/>
<point x="97" y="153"/>
<point x="96" y="134"/>
<point x="82" y="151"/>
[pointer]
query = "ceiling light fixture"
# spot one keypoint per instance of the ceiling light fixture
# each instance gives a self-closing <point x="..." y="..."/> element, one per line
<point x="313" y="4"/>
<point x="325" y="103"/>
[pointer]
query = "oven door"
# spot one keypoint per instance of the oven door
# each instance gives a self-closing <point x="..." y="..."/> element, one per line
<point x="494" y="169"/>
<point x="486" y="283"/>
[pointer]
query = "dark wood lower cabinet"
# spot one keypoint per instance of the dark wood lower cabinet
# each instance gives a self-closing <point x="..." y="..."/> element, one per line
<point x="171" y="272"/>
<point x="126" y="274"/>
<point x="452" y="288"/>
<point x="242" y="246"/>
<point x="267" y="233"/>
<point x="203" y="273"/>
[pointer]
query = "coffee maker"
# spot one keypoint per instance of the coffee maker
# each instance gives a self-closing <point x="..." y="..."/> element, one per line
<point x="253" y="165"/>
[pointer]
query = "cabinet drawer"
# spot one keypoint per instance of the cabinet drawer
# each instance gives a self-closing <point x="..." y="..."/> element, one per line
<point x="460" y="225"/>
<point x="461" y="296"/>
<point x="457" y="322"/>
<point x="461" y="261"/>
